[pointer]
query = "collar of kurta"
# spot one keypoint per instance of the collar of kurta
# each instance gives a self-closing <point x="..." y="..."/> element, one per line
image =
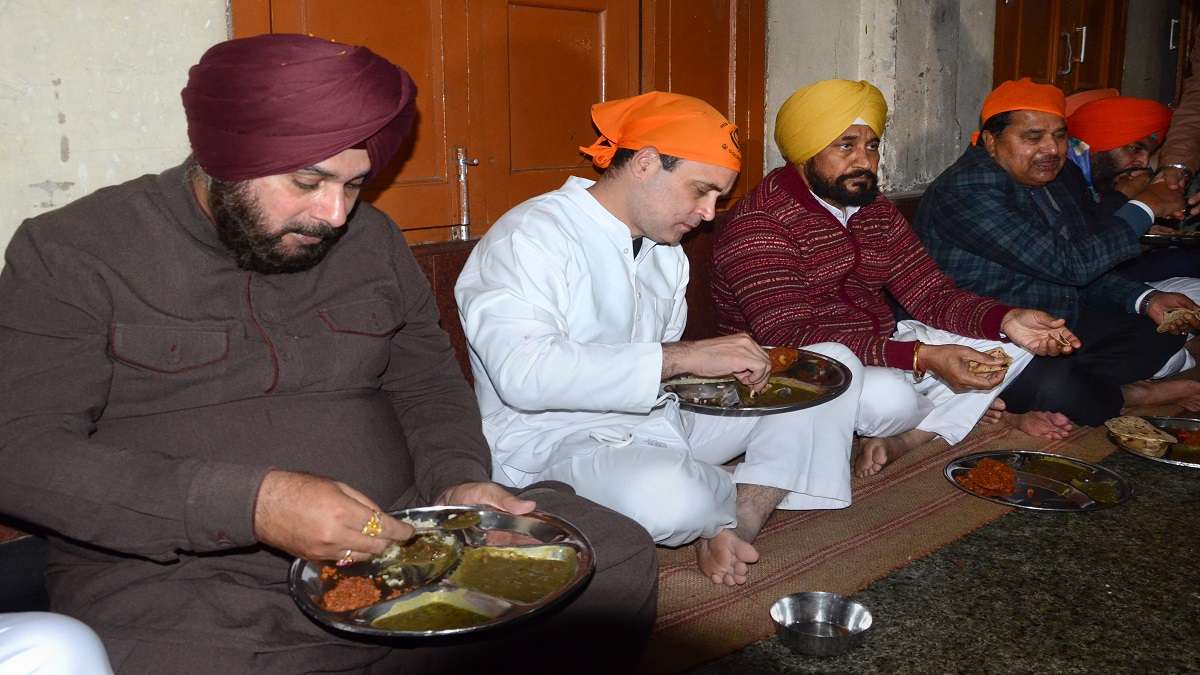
<point x="185" y="207"/>
<point x="794" y="184"/>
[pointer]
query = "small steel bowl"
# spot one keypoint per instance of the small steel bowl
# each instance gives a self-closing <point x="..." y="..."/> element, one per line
<point x="820" y="624"/>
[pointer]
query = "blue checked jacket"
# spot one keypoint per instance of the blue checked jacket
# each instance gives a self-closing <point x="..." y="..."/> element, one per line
<point x="1050" y="248"/>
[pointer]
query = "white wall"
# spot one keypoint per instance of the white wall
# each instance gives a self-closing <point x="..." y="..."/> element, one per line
<point x="89" y="94"/>
<point x="932" y="59"/>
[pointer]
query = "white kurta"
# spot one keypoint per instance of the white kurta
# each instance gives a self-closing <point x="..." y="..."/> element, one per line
<point x="565" y="328"/>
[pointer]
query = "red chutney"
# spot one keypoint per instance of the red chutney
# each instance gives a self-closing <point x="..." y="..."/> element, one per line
<point x="350" y="593"/>
<point x="989" y="478"/>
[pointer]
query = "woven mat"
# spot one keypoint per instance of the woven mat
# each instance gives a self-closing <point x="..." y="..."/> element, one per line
<point x="906" y="511"/>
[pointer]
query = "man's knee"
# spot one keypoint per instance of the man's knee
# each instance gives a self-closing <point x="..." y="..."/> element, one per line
<point x="50" y="643"/>
<point x="889" y="403"/>
<point x="839" y="352"/>
<point x="677" y="499"/>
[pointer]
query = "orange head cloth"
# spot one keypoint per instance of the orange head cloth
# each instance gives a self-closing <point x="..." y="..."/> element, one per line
<point x="1022" y="94"/>
<point x="677" y="125"/>
<point x="1112" y="122"/>
<point x="1081" y="98"/>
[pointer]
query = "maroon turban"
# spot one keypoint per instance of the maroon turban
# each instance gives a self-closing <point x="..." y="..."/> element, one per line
<point x="272" y="104"/>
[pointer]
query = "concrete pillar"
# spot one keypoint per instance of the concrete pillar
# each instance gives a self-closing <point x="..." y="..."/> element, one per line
<point x="932" y="59"/>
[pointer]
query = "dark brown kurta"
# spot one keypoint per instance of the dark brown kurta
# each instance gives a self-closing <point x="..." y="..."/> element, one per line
<point x="149" y="384"/>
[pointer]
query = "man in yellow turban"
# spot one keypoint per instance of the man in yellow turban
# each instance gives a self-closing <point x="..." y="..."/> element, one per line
<point x="574" y="303"/>
<point x="1012" y="219"/>
<point x="808" y="255"/>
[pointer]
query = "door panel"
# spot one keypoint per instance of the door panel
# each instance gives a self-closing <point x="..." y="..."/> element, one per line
<point x="703" y="48"/>
<point x="419" y="189"/>
<point x="538" y="67"/>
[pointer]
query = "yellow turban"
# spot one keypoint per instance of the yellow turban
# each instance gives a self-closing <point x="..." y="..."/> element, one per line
<point x="817" y="114"/>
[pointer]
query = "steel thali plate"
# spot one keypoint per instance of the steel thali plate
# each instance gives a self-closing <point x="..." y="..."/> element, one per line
<point x="534" y="534"/>
<point x="1178" y="454"/>
<point x="819" y="379"/>
<point x="1048" y="482"/>
<point x="1189" y="240"/>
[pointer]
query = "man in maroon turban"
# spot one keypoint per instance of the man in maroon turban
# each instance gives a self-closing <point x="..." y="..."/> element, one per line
<point x="216" y="369"/>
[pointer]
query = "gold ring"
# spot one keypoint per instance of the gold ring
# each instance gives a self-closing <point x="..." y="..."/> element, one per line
<point x="373" y="526"/>
<point x="346" y="559"/>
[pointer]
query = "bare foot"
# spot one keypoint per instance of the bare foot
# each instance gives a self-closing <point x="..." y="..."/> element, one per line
<point x="725" y="558"/>
<point x="1150" y="392"/>
<point x="994" y="413"/>
<point x="1040" y="423"/>
<point x="876" y="452"/>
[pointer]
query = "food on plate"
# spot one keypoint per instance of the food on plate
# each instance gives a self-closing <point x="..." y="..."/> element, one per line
<point x="983" y="368"/>
<point x="1140" y="436"/>
<point x="782" y="358"/>
<point x="431" y="616"/>
<point x="989" y="478"/>
<point x="1174" y="319"/>
<point x="520" y="575"/>
<point x="349" y="593"/>
<point x="780" y="390"/>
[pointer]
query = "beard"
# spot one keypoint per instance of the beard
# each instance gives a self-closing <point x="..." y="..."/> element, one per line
<point x="242" y="228"/>
<point x="838" y="192"/>
<point x="1104" y="171"/>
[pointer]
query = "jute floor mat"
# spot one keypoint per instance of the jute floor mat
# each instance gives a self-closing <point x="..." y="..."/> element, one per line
<point x="905" y="512"/>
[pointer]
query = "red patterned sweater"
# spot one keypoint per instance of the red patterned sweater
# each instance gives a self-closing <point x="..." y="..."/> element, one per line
<point x="786" y="271"/>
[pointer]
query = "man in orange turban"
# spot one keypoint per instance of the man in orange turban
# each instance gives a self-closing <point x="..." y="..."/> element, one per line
<point x="574" y="304"/>
<point x="1121" y="132"/>
<point x="1013" y="220"/>
<point x="216" y="370"/>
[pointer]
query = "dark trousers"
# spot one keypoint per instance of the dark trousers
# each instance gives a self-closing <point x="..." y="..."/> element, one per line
<point x="1162" y="263"/>
<point x="1086" y="386"/>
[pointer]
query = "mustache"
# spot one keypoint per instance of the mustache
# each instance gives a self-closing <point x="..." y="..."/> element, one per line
<point x="861" y="173"/>
<point x="317" y="230"/>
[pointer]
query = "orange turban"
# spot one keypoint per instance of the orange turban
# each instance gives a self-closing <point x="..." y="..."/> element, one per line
<point x="677" y="125"/>
<point x="1112" y="122"/>
<point x="1022" y="94"/>
<point x="1081" y="98"/>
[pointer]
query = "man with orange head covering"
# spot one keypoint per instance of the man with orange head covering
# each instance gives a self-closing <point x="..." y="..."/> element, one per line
<point x="1112" y="140"/>
<point x="1012" y="219"/>
<point x="810" y="253"/>
<point x="212" y="371"/>
<point x="574" y="303"/>
<point x="1117" y="134"/>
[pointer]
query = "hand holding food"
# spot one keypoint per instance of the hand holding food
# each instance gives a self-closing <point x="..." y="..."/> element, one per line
<point x="1001" y="362"/>
<point x="321" y="519"/>
<point x="736" y="355"/>
<point x="1040" y="333"/>
<point x="952" y="365"/>
<point x="486" y="494"/>
<point x="1178" y="321"/>
<point x="1160" y="302"/>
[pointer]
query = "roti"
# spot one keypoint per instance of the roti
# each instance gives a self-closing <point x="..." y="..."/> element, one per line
<point x="984" y="368"/>
<point x="1177" y="318"/>
<point x="1137" y="434"/>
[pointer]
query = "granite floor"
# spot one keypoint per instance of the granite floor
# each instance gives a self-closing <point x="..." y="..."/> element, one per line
<point x="1112" y="591"/>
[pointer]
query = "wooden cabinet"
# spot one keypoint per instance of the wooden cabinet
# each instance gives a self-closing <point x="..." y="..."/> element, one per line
<point x="511" y="83"/>
<point x="1074" y="44"/>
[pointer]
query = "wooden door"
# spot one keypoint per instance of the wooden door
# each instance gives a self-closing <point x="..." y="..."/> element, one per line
<point x="419" y="190"/>
<point x="1026" y="44"/>
<point x="1074" y="44"/>
<point x="712" y="49"/>
<point x="1093" y="32"/>
<point x="513" y="81"/>
<point x="536" y="69"/>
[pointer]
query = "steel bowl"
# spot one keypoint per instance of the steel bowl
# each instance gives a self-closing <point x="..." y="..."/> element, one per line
<point x="820" y="624"/>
